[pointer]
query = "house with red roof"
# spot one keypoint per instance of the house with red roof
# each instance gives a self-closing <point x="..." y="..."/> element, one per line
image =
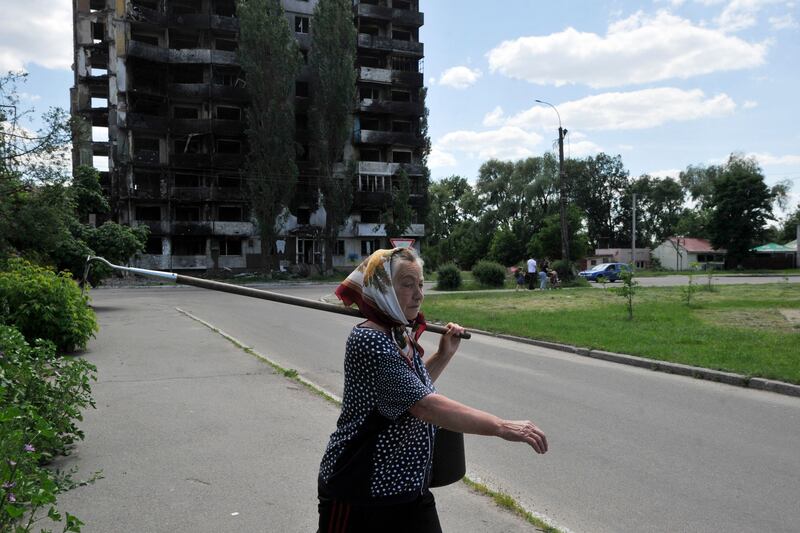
<point x="680" y="253"/>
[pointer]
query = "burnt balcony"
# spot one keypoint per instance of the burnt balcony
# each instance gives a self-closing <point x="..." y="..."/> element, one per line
<point x="149" y="52"/>
<point x="414" y="109"/>
<point x="402" y="17"/>
<point x="146" y="16"/>
<point x="190" y="194"/>
<point x="389" y="169"/>
<point x="98" y="116"/>
<point x="362" y="199"/>
<point x="387" y="137"/>
<point x="193" y="161"/>
<point x="203" y="56"/>
<point x="228" y="127"/>
<point x="156" y="227"/>
<point x="148" y="158"/>
<point x="386" y="44"/>
<point x="390" y="77"/>
<point x="185" y="126"/>
<point x="189" y="90"/>
<point x="191" y="228"/>
<point x="202" y="21"/>
<point x="142" y="122"/>
<point x="227" y="92"/>
<point x="227" y="194"/>
<point x="98" y="85"/>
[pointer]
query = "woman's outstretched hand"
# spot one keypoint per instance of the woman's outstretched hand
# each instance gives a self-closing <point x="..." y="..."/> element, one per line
<point x="524" y="431"/>
<point x="450" y="341"/>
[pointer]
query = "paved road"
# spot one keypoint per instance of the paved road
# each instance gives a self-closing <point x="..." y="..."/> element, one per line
<point x="631" y="450"/>
<point x="700" y="278"/>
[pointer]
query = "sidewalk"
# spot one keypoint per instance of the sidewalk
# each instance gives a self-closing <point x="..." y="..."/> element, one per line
<point x="194" y="435"/>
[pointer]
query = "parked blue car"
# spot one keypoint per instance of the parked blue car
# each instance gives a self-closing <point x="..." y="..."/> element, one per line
<point x="609" y="271"/>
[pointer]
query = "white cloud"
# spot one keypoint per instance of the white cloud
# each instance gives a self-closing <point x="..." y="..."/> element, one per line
<point x="460" y="77"/>
<point x="741" y="14"/>
<point x="769" y="160"/>
<point x="441" y="159"/>
<point x="503" y="143"/>
<point x="628" y="110"/>
<point x="749" y="104"/>
<point x="36" y="31"/>
<point x="673" y="173"/>
<point x="581" y="148"/>
<point x="494" y="117"/>
<point x="626" y="147"/>
<point x="786" y="22"/>
<point x="639" y="49"/>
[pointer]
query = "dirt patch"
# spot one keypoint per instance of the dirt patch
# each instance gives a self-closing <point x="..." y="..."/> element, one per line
<point x="758" y="319"/>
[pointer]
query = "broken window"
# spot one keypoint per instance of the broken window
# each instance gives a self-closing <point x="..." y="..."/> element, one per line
<point x="369" y="93"/>
<point x="145" y="105"/>
<point x="225" y="8"/>
<point x="146" y="181"/>
<point x="230" y="246"/>
<point x="401" y="96"/>
<point x="401" y="35"/>
<point x="98" y="32"/>
<point x="230" y="182"/>
<point x="189" y="245"/>
<point x="153" y="246"/>
<point x="187" y="74"/>
<point x="229" y="146"/>
<point x="401" y="156"/>
<point x="180" y="41"/>
<point x="227" y="45"/>
<point x="187" y="145"/>
<point x="229" y="113"/>
<point x="185" y="112"/>
<point x="370" y="155"/>
<point x="401" y="126"/>
<point x="301" y="24"/>
<point x="368" y="183"/>
<point x="146" y="147"/>
<point x="339" y="247"/>
<point x="371" y="61"/>
<point x="370" y="123"/>
<point x="228" y="213"/>
<point x="303" y="216"/>
<point x="99" y="103"/>
<point x="301" y="89"/>
<point x="144" y="37"/>
<point x="369" y="29"/>
<point x="187" y="214"/>
<point x="186" y="7"/>
<point x="228" y="77"/>
<point x="301" y="122"/>
<point x="97" y="5"/>
<point x="187" y="180"/>
<point x="148" y="212"/>
<point x="405" y="64"/>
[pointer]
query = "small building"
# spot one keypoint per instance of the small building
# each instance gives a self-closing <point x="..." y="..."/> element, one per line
<point x="680" y="253"/>
<point x="619" y="255"/>
<point x="772" y="256"/>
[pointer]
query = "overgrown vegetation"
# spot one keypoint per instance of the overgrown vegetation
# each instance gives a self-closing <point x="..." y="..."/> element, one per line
<point x="448" y="277"/>
<point x="489" y="273"/>
<point x="738" y="328"/>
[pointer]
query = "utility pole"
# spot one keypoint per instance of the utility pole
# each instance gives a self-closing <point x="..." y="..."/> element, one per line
<point x="561" y="186"/>
<point x="633" y="234"/>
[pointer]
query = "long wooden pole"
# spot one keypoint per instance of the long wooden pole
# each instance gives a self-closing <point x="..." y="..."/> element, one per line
<point x="246" y="291"/>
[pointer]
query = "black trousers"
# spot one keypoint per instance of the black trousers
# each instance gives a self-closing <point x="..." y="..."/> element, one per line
<point x="418" y="516"/>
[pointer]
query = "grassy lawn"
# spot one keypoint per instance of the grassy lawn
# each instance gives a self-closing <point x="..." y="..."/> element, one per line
<point x="749" y="329"/>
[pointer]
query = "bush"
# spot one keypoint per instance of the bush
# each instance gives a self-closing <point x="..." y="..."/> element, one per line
<point x="564" y="269"/>
<point x="41" y="396"/>
<point x="44" y="305"/>
<point x="448" y="277"/>
<point x="576" y="282"/>
<point x="489" y="273"/>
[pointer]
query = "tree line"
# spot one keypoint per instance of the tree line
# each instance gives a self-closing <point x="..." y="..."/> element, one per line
<point x="511" y="212"/>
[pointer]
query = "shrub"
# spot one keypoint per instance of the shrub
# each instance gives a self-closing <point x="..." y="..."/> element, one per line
<point x="41" y="396"/>
<point x="44" y="305"/>
<point x="489" y="273"/>
<point x="564" y="269"/>
<point x="448" y="277"/>
<point x="577" y="281"/>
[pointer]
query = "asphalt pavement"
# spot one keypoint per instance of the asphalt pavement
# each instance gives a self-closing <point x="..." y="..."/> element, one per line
<point x="192" y="434"/>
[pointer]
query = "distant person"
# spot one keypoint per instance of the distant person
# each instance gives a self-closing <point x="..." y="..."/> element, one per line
<point x="519" y="276"/>
<point x="376" y="469"/>
<point x="531" y="273"/>
<point x="542" y="279"/>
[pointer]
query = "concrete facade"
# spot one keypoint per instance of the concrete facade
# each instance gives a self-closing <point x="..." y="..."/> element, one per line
<point x="679" y="253"/>
<point x="160" y="85"/>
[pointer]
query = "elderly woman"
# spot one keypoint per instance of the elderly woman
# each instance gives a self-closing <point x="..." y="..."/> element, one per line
<point x="376" y="470"/>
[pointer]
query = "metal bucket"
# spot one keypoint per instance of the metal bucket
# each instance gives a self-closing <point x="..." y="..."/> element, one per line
<point x="449" y="464"/>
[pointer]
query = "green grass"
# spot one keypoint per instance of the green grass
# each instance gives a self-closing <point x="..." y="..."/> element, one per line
<point x="736" y="328"/>
<point x="507" y="502"/>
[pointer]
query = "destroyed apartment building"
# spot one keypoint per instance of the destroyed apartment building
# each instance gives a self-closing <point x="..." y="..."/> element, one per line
<point x="160" y="83"/>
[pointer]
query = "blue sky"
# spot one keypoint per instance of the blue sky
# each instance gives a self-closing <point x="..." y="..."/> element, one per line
<point x="664" y="83"/>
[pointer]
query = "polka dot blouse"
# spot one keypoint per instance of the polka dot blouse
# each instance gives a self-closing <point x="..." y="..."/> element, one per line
<point x="379" y="452"/>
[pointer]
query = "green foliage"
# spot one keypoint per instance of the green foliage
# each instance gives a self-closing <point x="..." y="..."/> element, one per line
<point x="788" y="231"/>
<point x="270" y="56"/>
<point x="659" y="205"/>
<point x="333" y="91"/>
<point x="489" y="273"/>
<point x="628" y="290"/>
<point x="45" y="305"/>
<point x="565" y="271"/>
<point x="688" y="291"/>
<point x="448" y="277"/>
<point x="41" y="397"/>
<point x="87" y="193"/>
<point x="742" y="204"/>
<point x="399" y="214"/>
<point x="506" y="247"/>
<point x="547" y="241"/>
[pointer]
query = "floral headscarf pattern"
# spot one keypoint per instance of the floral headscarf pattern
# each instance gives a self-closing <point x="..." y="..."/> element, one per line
<point x="370" y="287"/>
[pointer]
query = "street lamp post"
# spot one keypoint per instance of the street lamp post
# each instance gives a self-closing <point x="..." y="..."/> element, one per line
<point x="561" y="186"/>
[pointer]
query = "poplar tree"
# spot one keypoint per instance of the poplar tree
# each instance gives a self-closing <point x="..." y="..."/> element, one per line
<point x="270" y="57"/>
<point x="399" y="214"/>
<point x="333" y="93"/>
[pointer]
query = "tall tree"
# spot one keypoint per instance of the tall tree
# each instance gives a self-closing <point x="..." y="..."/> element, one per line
<point x="742" y="204"/>
<point x="271" y="59"/>
<point x="399" y="215"/>
<point x="659" y="205"/>
<point x="333" y="92"/>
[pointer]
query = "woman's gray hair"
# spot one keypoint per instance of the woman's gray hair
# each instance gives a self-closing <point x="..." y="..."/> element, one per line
<point x="405" y="254"/>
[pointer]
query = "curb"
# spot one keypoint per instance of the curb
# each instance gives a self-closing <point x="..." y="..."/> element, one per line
<point x="728" y="378"/>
